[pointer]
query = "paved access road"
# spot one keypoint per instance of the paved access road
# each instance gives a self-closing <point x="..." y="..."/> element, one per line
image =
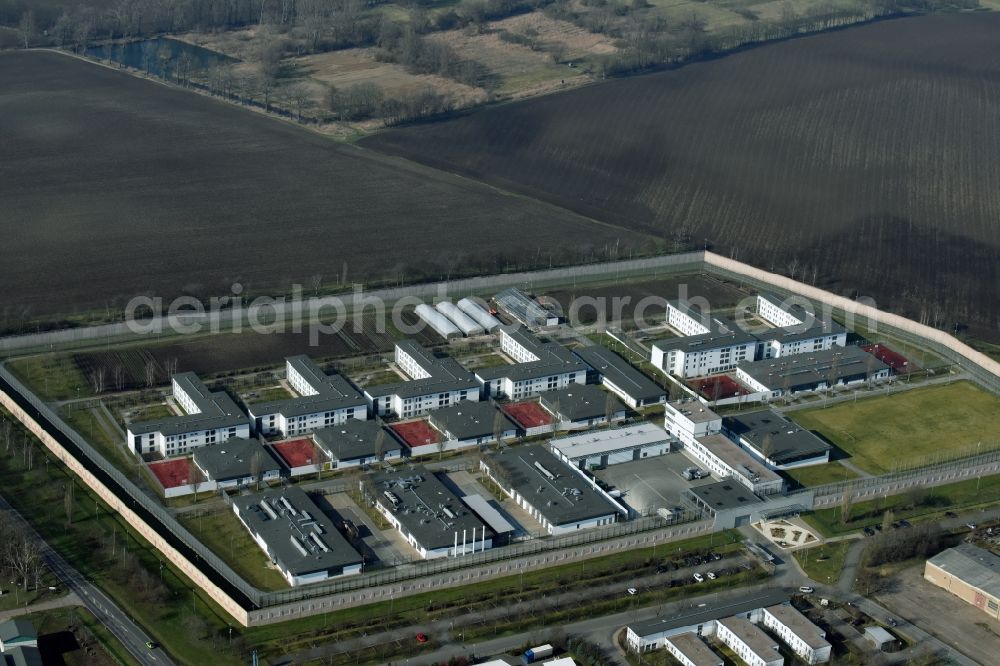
<point x="104" y="609"/>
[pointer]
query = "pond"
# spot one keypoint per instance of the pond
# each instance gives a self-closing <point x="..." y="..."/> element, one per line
<point x="159" y="56"/>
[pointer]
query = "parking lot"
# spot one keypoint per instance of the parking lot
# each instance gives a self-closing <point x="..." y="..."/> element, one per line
<point x="651" y="483"/>
<point x="388" y="547"/>
<point x="936" y="611"/>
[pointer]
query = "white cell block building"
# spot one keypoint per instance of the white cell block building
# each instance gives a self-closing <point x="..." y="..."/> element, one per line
<point x="749" y="642"/>
<point x="689" y="419"/>
<point x="435" y="382"/>
<point x="618" y="376"/>
<point x="804" y="638"/>
<point x="686" y="320"/>
<point x="464" y="322"/>
<point x="691" y="650"/>
<point x="538" y="367"/>
<point x="703" y="354"/>
<point x="211" y="417"/>
<point x="724" y="458"/>
<point x="323" y="401"/>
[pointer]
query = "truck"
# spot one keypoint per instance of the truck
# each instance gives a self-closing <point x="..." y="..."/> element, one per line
<point x="536" y="653"/>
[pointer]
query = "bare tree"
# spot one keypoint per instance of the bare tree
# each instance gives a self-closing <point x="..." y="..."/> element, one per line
<point x="171" y="367"/>
<point x="118" y="376"/>
<point x="888" y="518"/>
<point x="498" y="422"/>
<point x="26" y="27"/>
<point x="256" y="462"/>
<point x="68" y="502"/>
<point x="318" y="456"/>
<point x="846" y="505"/>
<point x="195" y="476"/>
<point x="97" y="379"/>
<point x="380" y="444"/>
<point x="767" y="447"/>
<point x="150" y="374"/>
<point x="316" y="281"/>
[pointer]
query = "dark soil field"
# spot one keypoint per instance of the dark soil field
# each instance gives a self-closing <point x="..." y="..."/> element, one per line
<point x="863" y="159"/>
<point x="113" y="186"/>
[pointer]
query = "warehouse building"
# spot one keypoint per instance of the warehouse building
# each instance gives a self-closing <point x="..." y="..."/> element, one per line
<point x="618" y="376"/>
<point x="581" y="407"/>
<point x="557" y="496"/>
<point x="429" y="516"/>
<point x="436" y="382"/>
<point x="538" y="366"/>
<point x="805" y="639"/>
<point x="691" y="650"/>
<point x="323" y="400"/>
<point x="472" y="423"/>
<point x="650" y="635"/>
<point x="355" y="443"/>
<point x="236" y="463"/>
<point x="813" y="371"/>
<point x="970" y="573"/>
<point x="518" y="305"/>
<point x="298" y="537"/>
<point x="211" y="417"/>
<point x="749" y="642"/>
<point x="611" y="447"/>
<point x="775" y="440"/>
<point x="724" y="458"/>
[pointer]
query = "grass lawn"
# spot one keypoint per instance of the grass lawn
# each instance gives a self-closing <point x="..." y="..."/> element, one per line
<point x="909" y="428"/>
<point x="824" y="563"/>
<point x="268" y="394"/>
<point x="51" y="377"/>
<point x="818" y="475"/>
<point x="222" y="531"/>
<point x="93" y="644"/>
<point x="151" y="412"/>
<point x="936" y="500"/>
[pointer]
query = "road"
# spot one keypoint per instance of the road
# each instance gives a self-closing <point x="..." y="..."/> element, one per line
<point x="104" y="609"/>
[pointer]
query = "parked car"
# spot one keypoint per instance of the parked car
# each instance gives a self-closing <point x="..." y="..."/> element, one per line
<point x="971" y="526"/>
<point x="698" y="577"/>
<point x="152" y="645"/>
<point x="421" y="638"/>
<point x="904" y="523"/>
<point x="632" y="591"/>
<point x="805" y="589"/>
<point x="711" y="575"/>
<point x="950" y="514"/>
<point x="869" y="531"/>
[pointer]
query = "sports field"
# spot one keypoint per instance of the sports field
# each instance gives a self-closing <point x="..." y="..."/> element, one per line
<point x="171" y="473"/>
<point x="899" y="363"/>
<point x="528" y="414"/>
<point x="296" y="452"/>
<point x="416" y="433"/>
<point x="908" y="428"/>
<point x="721" y="386"/>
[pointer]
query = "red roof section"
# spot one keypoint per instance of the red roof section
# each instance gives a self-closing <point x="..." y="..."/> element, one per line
<point x="529" y="414"/>
<point x="297" y="452"/>
<point x="172" y="473"/>
<point x="416" y="433"/>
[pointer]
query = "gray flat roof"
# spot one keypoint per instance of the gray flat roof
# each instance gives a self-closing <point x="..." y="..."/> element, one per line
<point x="695" y="649"/>
<point x="289" y="534"/>
<point x="446" y="374"/>
<point x="973" y="565"/>
<point x="424" y="506"/>
<point x="730" y="453"/>
<point x="522" y="307"/>
<point x="811" y="368"/>
<point x="715" y="610"/>
<point x="621" y="373"/>
<point x="599" y="442"/>
<point x="789" y="441"/>
<point x="753" y="636"/>
<point x="218" y="410"/>
<point x="333" y="392"/>
<point x="353" y="439"/>
<point x="693" y="410"/>
<point x="577" y="402"/>
<point x="234" y="459"/>
<point x="706" y="341"/>
<point x="481" y="506"/>
<point x="553" y="359"/>
<point x="799" y="625"/>
<point x="560" y="495"/>
<point x="469" y="420"/>
<point x="22" y="655"/>
<point x="17" y="628"/>
<point x="724" y="495"/>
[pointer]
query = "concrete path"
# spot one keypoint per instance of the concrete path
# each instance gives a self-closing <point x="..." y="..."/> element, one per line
<point x="69" y="599"/>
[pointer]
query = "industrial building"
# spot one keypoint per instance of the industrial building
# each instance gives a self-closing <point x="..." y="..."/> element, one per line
<point x="650" y="635"/>
<point x="429" y="516"/>
<point x="805" y="639"/>
<point x="724" y="458"/>
<point x="691" y="650"/>
<point x="812" y="371"/>
<point x="472" y="423"/>
<point x="298" y="537"/>
<point x="538" y="366"/>
<point x="355" y="443"/>
<point x="775" y="440"/>
<point x="731" y="504"/>
<point x="480" y="314"/>
<point x="436" y="382"/>
<point x="581" y="407"/>
<point x="211" y="417"/>
<point x="611" y="447"/>
<point x="323" y="400"/>
<point x="748" y="641"/>
<point x="557" y="496"/>
<point x="970" y="573"/>
<point x="617" y="375"/>
<point x="236" y="463"/>
<point x="518" y="305"/>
